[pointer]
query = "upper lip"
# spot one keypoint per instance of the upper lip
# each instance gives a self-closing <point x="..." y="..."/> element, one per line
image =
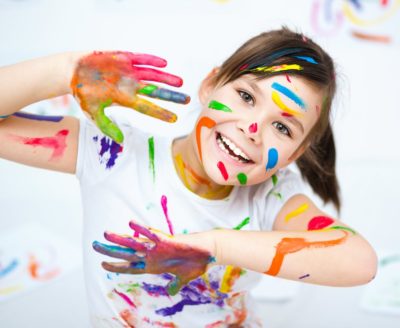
<point x="238" y="145"/>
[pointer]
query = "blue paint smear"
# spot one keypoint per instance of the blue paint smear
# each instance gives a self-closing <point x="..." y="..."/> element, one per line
<point x="307" y="58"/>
<point x="13" y="264"/>
<point x="272" y="159"/>
<point x="138" y="265"/>
<point x="39" y="117"/>
<point x="288" y="93"/>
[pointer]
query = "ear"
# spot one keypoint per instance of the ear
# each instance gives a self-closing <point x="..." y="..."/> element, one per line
<point x="207" y="85"/>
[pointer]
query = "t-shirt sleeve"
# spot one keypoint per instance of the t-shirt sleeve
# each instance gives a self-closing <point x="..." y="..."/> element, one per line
<point x="286" y="184"/>
<point x="99" y="155"/>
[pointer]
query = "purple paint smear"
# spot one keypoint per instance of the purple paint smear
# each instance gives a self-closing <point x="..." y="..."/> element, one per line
<point x="194" y="293"/>
<point x="38" y="117"/>
<point x="111" y="147"/>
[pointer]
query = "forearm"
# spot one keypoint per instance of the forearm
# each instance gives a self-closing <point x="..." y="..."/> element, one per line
<point x="333" y="258"/>
<point x="34" y="80"/>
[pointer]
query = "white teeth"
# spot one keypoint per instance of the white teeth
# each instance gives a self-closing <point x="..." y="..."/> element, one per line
<point x="234" y="148"/>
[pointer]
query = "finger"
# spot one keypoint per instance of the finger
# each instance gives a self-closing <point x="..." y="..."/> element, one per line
<point x="153" y="91"/>
<point x="148" y="108"/>
<point x="126" y="241"/>
<point x="144" y="231"/>
<point x="174" y="286"/>
<point x="150" y="74"/>
<point x="108" y="127"/>
<point x="125" y="267"/>
<point x="146" y="59"/>
<point x="117" y="251"/>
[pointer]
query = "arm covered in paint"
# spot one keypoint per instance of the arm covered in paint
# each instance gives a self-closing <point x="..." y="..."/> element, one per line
<point x="306" y="245"/>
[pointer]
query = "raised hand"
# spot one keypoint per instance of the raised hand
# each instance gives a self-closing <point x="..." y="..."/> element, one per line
<point x="154" y="254"/>
<point x="103" y="78"/>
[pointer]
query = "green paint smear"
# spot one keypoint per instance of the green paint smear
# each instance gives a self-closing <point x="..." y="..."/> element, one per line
<point x="278" y="194"/>
<point x="148" y="89"/>
<point x="343" y="228"/>
<point x="151" y="158"/>
<point x="218" y="106"/>
<point x="185" y="232"/>
<point x="242" y="224"/>
<point x="389" y="259"/>
<point x="274" y="180"/>
<point x="242" y="178"/>
<point x="108" y="127"/>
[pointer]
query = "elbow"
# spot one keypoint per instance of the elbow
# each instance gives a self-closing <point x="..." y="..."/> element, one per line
<point x="366" y="267"/>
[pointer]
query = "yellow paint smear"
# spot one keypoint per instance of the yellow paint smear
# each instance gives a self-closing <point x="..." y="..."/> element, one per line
<point x="278" y="101"/>
<point x="302" y="208"/>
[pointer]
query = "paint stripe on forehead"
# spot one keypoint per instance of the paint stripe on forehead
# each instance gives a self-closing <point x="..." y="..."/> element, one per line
<point x="289" y="93"/>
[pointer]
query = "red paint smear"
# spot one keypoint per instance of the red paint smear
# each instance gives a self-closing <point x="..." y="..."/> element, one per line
<point x="207" y="122"/>
<point x="253" y="128"/>
<point x="222" y="168"/>
<point x="384" y="2"/>
<point x="125" y="298"/>
<point x="288" y="78"/>
<point x="165" y="209"/>
<point x="286" y="114"/>
<point x="56" y="143"/>
<point x="319" y="222"/>
<point x="243" y="67"/>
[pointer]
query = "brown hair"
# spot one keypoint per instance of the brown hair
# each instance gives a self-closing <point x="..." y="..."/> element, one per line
<point x="285" y="47"/>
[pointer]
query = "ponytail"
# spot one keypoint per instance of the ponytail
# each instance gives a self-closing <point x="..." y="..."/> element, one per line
<point x="317" y="166"/>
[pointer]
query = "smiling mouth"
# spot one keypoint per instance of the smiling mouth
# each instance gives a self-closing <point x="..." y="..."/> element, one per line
<point x="229" y="147"/>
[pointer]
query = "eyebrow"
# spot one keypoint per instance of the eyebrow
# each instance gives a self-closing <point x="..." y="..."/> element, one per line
<point x="289" y="93"/>
<point x="295" y="121"/>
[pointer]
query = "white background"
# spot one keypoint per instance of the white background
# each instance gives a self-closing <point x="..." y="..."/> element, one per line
<point x="195" y="35"/>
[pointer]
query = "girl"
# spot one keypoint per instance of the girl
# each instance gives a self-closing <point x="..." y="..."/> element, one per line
<point x="226" y="205"/>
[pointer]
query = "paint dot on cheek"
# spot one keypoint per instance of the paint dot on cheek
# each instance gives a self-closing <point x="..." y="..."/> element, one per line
<point x="223" y="171"/>
<point x="272" y="159"/>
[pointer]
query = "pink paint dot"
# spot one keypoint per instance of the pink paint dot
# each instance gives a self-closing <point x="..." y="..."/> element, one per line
<point x="253" y="128"/>
<point x="319" y="222"/>
<point x="288" y="78"/>
<point x="223" y="171"/>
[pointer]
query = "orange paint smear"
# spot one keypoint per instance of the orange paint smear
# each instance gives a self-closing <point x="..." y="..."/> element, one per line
<point x="293" y="245"/>
<point x="372" y="37"/>
<point x="207" y="122"/>
<point x="34" y="267"/>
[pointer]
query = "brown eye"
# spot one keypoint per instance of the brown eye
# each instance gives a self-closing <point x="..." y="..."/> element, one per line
<point x="246" y="97"/>
<point x="282" y="128"/>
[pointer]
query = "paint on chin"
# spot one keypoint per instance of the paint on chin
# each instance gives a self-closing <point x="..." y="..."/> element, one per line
<point x="223" y="171"/>
<point x="272" y="159"/>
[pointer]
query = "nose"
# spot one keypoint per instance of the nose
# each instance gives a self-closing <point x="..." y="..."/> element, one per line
<point x="251" y="130"/>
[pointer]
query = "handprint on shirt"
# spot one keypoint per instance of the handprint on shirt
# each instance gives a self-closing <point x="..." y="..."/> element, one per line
<point x="154" y="255"/>
<point x="104" y="78"/>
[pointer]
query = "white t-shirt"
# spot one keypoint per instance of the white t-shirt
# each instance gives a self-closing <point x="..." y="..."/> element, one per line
<point x="118" y="185"/>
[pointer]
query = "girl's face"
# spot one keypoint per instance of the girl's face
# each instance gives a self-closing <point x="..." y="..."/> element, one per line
<point x="250" y="128"/>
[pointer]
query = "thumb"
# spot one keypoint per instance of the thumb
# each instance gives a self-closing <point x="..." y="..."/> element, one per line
<point x="108" y="127"/>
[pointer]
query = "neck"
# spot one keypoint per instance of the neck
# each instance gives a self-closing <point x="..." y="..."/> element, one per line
<point x="191" y="171"/>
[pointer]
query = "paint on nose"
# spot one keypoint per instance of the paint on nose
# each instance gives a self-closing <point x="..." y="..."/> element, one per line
<point x="272" y="159"/>
<point x="253" y="128"/>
